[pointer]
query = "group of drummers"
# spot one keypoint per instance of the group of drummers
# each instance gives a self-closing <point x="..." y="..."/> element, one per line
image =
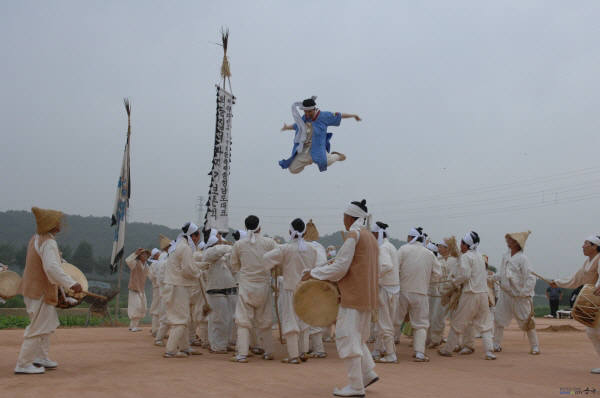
<point x="219" y="295"/>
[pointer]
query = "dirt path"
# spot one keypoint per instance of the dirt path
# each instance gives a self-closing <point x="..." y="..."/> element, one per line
<point x="113" y="362"/>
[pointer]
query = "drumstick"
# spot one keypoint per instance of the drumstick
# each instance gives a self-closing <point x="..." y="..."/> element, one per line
<point x="541" y="277"/>
<point x="94" y="295"/>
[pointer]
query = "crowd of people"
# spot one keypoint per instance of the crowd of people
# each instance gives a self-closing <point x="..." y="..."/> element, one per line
<point x="219" y="295"/>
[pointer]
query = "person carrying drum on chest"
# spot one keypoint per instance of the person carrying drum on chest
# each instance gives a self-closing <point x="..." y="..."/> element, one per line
<point x="42" y="276"/>
<point x="356" y="270"/>
<point x="587" y="274"/>
<point x="293" y="258"/>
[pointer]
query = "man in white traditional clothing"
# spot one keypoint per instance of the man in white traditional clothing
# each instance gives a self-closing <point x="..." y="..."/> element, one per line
<point x="293" y="259"/>
<point x="437" y="312"/>
<point x="136" y="301"/>
<point x="517" y="285"/>
<point x="160" y="266"/>
<point x="473" y="305"/>
<point x="418" y="267"/>
<point x="316" y="349"/>
<point x="181" y="276"/>
<point x="356" y="271"/>
<point x="153" y="276"/>
<point x="42" y="277"/>
<point x="587" y="275"/>
<point x="448" y="259"/>
<point x="221" y="292"/>
<point x="389" y="292"/>
<point x="254" y="306"/>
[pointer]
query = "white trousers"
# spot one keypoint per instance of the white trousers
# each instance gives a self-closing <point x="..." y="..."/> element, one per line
<point x="437" y="319"/>
<point x="43" y="321"/>
<point x="388" y="311"/>
<point x="351" y="334"/>
<point x="303" y="159"/>
<point x="417" y="306"/>
<point x="136" y="307"/>
<point x="473" y="310"/>
<point x="32" y="349"/>
<point x="220" y="321"/>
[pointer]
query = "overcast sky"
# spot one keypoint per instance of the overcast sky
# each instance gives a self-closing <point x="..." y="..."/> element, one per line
<point x="476" y="115"/>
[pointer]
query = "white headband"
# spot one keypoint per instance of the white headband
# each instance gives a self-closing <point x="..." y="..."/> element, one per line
<point x="354" y="211"/>
<point x="415" y="234"/>
<point x="242" y="233"/>
<point x="308" y="108"/>
<point x="298" y="235"/>
<point x="212" y="238"/>
<point x="252" y="233"/>
<point x="154" y="252"/>
<point x="442" y="243"/>
<point x="432" y="246"/>
<point x="594" y="239"/>
<point x="380" y="231"/>
<point x="468" y="239"/>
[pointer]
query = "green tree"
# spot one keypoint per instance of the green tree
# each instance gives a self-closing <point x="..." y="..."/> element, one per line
<point x="67" y="253"/>
<point x="83" y="257"/>
<point x="21" y="255"/>
<point x="7" y="254"/>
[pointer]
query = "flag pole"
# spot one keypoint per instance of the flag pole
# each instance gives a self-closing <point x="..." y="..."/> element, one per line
<point x="118" y="298"/>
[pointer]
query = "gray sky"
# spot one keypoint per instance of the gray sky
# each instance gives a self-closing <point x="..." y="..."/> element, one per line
<point x="480" y="115"/>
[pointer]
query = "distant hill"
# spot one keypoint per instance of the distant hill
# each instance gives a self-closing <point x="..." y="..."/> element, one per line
<point x="17" y="227"/>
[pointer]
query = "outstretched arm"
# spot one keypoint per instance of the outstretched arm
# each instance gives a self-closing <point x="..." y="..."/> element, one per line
<point x="287" y="127"/>
<point x="351" y="115"/>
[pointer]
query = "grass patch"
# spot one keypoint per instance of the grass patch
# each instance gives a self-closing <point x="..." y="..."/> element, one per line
<point x="21" y="322"/>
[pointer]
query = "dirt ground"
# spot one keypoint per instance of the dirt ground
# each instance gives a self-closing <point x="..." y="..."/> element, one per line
<point x="113" y="362"/>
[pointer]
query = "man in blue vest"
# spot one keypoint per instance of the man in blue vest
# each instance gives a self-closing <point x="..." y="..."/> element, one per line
<point x="311" y="140"/>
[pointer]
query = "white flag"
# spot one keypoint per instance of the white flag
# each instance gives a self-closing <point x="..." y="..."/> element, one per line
<point x="119" y="215"/>
<point x="217" y="212"/>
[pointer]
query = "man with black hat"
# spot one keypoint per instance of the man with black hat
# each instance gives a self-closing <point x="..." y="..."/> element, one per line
<point x="312" y="141"/>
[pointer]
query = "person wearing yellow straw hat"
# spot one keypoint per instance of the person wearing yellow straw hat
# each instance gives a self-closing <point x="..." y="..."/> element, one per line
<point x="356" y="271"/>
<point x="516" y="291"/>
<point x="42" y="277"/>
<point x="136" y="301"/>
<point x="294" y="258"/>
<point x="473" y="310"/>
<point x="418" y="268"/>
<point x="587" y="274"/>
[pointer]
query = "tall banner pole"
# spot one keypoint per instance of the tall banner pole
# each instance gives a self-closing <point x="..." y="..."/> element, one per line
<point x="119" y="215"/>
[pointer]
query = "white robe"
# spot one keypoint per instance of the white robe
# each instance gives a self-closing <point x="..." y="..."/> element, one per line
<point x="43" y="317"/>
<point x="389" y="292"/>
<point x="254" y="294"/>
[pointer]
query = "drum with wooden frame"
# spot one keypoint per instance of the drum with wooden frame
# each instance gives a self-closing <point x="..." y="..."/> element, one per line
<point x="586" y="307"/>
<point x="9" y="284"/>
<point x="80" y="278"/>
<point x="316" y="302"/>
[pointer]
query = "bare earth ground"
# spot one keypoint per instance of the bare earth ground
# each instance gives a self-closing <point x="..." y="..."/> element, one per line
<point x="113" y="362"/>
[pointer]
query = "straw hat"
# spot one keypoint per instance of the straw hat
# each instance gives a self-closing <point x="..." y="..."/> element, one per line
<point x="163" y="242"/>
<point x="520" y="237"/>
<point x="311" y="234"/>
<point x="9" y="284"/>
<point x="46" y="219"/>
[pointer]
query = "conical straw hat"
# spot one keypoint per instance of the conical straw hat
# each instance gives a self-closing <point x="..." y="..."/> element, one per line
<point x="46" y="219"/>
<point x="9" y="284"/>
<point x="163" y="242"/>
<point x="520" y="237"/>
<point x="311" y="234"/>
